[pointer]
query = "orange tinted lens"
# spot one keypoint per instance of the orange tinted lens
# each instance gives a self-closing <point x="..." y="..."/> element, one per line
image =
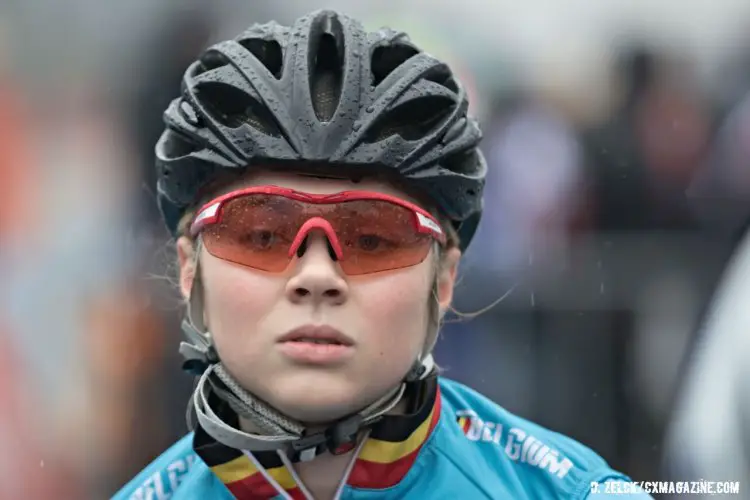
<point x="255" y="231"/>
<point x="378" y="236"/>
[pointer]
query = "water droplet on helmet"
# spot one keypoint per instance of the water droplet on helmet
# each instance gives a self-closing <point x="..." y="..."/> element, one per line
<point x="356" y="126"/>
<point x="370" y="109"/>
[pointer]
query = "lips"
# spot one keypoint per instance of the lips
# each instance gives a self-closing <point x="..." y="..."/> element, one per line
<point x="316" y="345"/>
<point x="315" y="334"/>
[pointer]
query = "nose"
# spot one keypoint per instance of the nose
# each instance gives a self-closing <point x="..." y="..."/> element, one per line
<point x="317" y="279"/>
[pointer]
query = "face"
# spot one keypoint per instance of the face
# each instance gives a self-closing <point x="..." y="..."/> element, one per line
<point x="384" y="316"/>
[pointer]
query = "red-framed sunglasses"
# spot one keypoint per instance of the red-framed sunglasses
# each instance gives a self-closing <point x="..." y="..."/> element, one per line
<point x="263" y="227"/>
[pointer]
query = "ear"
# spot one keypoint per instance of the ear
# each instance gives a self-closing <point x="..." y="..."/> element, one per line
<point x="186" y="256"/>
<point x="447" y="278"/>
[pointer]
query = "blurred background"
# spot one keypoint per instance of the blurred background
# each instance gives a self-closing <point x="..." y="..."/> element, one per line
<point x="618" y="137"/>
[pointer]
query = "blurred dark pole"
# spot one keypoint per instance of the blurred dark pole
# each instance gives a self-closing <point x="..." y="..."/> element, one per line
<point x="185" y="34"/>
<point x="637" y="69"/>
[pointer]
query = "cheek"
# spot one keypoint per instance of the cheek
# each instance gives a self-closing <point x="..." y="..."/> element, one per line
<point x="236" y="300"/>
<point x="395" y="308"/>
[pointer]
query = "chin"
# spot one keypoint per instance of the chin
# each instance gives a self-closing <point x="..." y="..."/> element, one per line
<point x="316" y="396"/>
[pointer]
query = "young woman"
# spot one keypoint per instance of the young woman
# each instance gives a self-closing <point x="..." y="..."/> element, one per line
<point x="322" y="183"/>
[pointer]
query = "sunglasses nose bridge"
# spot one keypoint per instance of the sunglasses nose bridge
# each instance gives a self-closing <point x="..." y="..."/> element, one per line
<point x="316" y="223"/>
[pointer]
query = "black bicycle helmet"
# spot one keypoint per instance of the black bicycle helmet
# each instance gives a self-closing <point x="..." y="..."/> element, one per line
<point x="323" y="91"/>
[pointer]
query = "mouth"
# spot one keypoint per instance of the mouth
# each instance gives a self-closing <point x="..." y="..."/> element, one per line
<point x="322" y="335"/>
<point x="316" y="345"/>
<point x="316" y="341"/>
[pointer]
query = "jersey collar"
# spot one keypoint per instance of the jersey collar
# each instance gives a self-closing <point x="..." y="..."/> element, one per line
<point x="384" y="459"/>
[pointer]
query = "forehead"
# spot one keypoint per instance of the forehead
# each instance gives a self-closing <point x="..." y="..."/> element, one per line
<point x="316" y="184"/>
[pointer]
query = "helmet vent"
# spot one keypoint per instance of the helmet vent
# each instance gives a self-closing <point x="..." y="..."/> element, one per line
<point x="464" y="162"/>
<point x="211" y="60"/>
<point x="412" y="120"/>
<point x="386" y="58"/>
<point x="268" y="52"/>
<point x="327" y="68"/>
<point x="232" y="107"/>
<point x="442" y="76"/>
<point x="177" y="146"/>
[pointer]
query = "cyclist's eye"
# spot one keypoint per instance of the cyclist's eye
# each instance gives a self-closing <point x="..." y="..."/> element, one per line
<point x="372" y="243"/>
<point x="261" y="239"/>
<point x="369" y="242"/>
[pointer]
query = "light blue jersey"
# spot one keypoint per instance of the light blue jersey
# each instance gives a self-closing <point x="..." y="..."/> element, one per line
<point x="458" y="445"/>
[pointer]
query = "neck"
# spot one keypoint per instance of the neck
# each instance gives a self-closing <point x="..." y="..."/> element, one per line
<point x="323" y="475"/>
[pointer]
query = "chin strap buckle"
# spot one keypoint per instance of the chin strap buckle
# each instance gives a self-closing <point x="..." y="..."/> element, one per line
<point x="338" y="439"/>
<point x="342" y="437"/>
<point x="308" y="447"/>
